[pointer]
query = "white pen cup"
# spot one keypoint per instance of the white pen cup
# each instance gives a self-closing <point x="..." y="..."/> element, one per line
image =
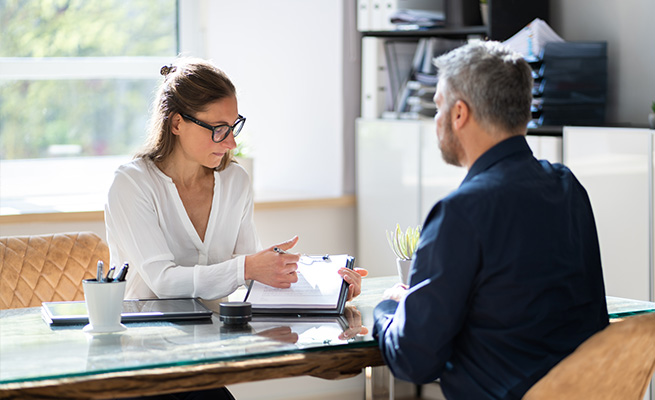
<point x="104" y="304"/>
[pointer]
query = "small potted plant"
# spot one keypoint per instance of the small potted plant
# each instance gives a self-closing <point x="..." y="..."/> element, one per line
<point x="403" y="245"/>
<point x="651" y="116"/>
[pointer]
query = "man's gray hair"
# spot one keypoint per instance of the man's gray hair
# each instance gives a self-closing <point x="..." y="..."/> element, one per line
<point x="495" y="82"/>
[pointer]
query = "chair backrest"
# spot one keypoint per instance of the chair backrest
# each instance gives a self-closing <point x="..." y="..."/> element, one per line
<point x="34" y="269"/>
<point x="615" y="363"/>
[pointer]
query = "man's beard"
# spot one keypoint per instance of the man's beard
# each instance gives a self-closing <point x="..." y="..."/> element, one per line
<point x="450" y="146"/>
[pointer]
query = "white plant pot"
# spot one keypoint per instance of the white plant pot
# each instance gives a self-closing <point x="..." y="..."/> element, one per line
<point x="484" y="11"/>
<point x="651" y="120"/>
<point x="403" y="270"/>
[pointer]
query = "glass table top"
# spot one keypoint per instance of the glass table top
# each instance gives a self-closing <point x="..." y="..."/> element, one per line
<point x="32" y="350"/>
<point x="619" y="307"/>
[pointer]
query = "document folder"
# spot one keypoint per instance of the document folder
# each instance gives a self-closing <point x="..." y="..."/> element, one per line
<point x="320" y="290"/>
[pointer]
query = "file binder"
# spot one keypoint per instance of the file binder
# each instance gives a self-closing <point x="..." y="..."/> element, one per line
<point x="319" y="290"/>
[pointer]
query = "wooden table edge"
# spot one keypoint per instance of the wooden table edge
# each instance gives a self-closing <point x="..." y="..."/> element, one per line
<point x="332" y="364"/>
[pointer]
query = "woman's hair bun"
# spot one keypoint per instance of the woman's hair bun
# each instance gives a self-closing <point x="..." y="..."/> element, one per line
<point x="167" y="69"/>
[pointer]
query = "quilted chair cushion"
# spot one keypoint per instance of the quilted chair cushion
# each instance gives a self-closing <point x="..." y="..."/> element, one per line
<point x="615" y="363"/>
<point x="34" y="269"/>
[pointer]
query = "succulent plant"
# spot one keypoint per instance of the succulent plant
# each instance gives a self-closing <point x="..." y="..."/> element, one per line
<point x="404" y="244"/>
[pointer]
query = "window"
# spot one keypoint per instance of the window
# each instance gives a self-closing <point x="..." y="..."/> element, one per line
<point x="76" y="81"/>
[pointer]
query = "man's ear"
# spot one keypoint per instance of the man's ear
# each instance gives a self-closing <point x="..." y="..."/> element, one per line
<point x="176" y="121"/>
<point x="460" y="114"/>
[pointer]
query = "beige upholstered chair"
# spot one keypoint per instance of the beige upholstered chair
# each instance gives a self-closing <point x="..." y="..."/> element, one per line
<point x="41" y="268"/>
<point x="615" y="363"/>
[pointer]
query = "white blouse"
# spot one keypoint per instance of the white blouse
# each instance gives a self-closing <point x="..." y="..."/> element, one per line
<point x="148" y="227"/>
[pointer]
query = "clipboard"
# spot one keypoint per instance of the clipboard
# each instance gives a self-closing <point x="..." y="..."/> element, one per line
<point x="320" y="290"/>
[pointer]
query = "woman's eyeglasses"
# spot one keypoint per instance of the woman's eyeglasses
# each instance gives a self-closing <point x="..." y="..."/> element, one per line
<point x="220" y="132"/>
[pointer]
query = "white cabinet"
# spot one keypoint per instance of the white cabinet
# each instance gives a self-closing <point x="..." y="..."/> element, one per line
<point x="387" y="168"/>
<point x="615" y="165"/>
<point x="400" y="176"/>
<point x="437" y="179"/>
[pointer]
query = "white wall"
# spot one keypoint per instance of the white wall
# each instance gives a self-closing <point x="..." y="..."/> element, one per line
<point x="302" y="388"/>
<point x="286" y="59"/>
<point x="628" y="26"/>
<point x="322" y="229"/>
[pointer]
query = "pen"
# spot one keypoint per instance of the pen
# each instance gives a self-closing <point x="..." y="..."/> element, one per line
<point x="110" y="274"/>
<point x="304" y="258"/>
<point x="118" y="273"/>
<point x="279" y="250"/>
<point x="122" y="271"/>
<point x="100" y="272"/>
<point x="124" y="274"/>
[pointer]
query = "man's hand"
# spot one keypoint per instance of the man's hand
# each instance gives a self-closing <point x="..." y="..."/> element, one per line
<point x="396" y="292"/>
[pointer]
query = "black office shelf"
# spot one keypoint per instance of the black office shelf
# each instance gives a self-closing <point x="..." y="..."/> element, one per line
<point x="445" y="32"/>
<point x="553" y="131"/>
<point x="506" y="17"/>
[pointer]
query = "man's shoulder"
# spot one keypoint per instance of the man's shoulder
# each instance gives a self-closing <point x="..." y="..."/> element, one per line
<point x="500" y="185"/>
<point x="515" y="172"/>
<point x="557" y="168"/>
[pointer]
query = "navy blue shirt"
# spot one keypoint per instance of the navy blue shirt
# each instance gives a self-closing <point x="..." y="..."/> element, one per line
<point x="506" y="280"/>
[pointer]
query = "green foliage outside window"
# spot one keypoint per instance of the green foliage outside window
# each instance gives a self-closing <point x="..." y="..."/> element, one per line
<point x="99" y="116"/>
<point x="88" y="28"/>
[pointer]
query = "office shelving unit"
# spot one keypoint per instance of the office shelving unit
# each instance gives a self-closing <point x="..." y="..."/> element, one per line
<point x="506" y="17"/>
<point x="384" y="83"/>
<point x="400" y="173"/>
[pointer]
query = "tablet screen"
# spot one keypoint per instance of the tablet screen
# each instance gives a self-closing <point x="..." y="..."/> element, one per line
<point x="74" y="312"/>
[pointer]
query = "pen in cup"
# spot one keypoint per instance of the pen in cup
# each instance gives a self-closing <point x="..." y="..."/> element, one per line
<point x="113" y="274"/>
<point x="100" y="272"/>
<point x="120" y="274"/>
<point x="110" y="274"/>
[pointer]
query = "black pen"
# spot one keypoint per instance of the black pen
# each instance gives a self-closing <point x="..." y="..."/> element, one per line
<point x="118" y="273"/>
<point x="110" y="274"/>
<point x="122" y="272"/>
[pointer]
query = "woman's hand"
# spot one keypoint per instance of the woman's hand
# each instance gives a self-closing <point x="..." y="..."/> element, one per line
<point x="281" y="334"/>
<point x="355" y="327"/>
<point x="354" y="279"/>
<point x="273" y="268"/>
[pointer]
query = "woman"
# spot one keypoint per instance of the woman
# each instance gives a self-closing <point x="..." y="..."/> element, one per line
<point x="181" y="213"/>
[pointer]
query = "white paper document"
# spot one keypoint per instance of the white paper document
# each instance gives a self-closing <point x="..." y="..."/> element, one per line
<point x="320" y="289"/>
<point x="531" y="40"/>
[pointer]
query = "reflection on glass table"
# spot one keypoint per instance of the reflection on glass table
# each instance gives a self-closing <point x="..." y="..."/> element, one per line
<point x="34" y="355"/>
<point x="32" y="350"/>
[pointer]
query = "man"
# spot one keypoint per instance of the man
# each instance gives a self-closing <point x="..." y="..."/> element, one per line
<point x="506" y="280"/>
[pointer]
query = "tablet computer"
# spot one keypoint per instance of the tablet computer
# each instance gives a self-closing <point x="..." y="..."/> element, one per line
<point x="74" y="312"/>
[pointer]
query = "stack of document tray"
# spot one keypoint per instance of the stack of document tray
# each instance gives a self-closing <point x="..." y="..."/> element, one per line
<point x="570" y="84"/>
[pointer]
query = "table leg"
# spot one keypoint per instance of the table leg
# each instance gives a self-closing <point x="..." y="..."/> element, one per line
<point x="379" y="383"/>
